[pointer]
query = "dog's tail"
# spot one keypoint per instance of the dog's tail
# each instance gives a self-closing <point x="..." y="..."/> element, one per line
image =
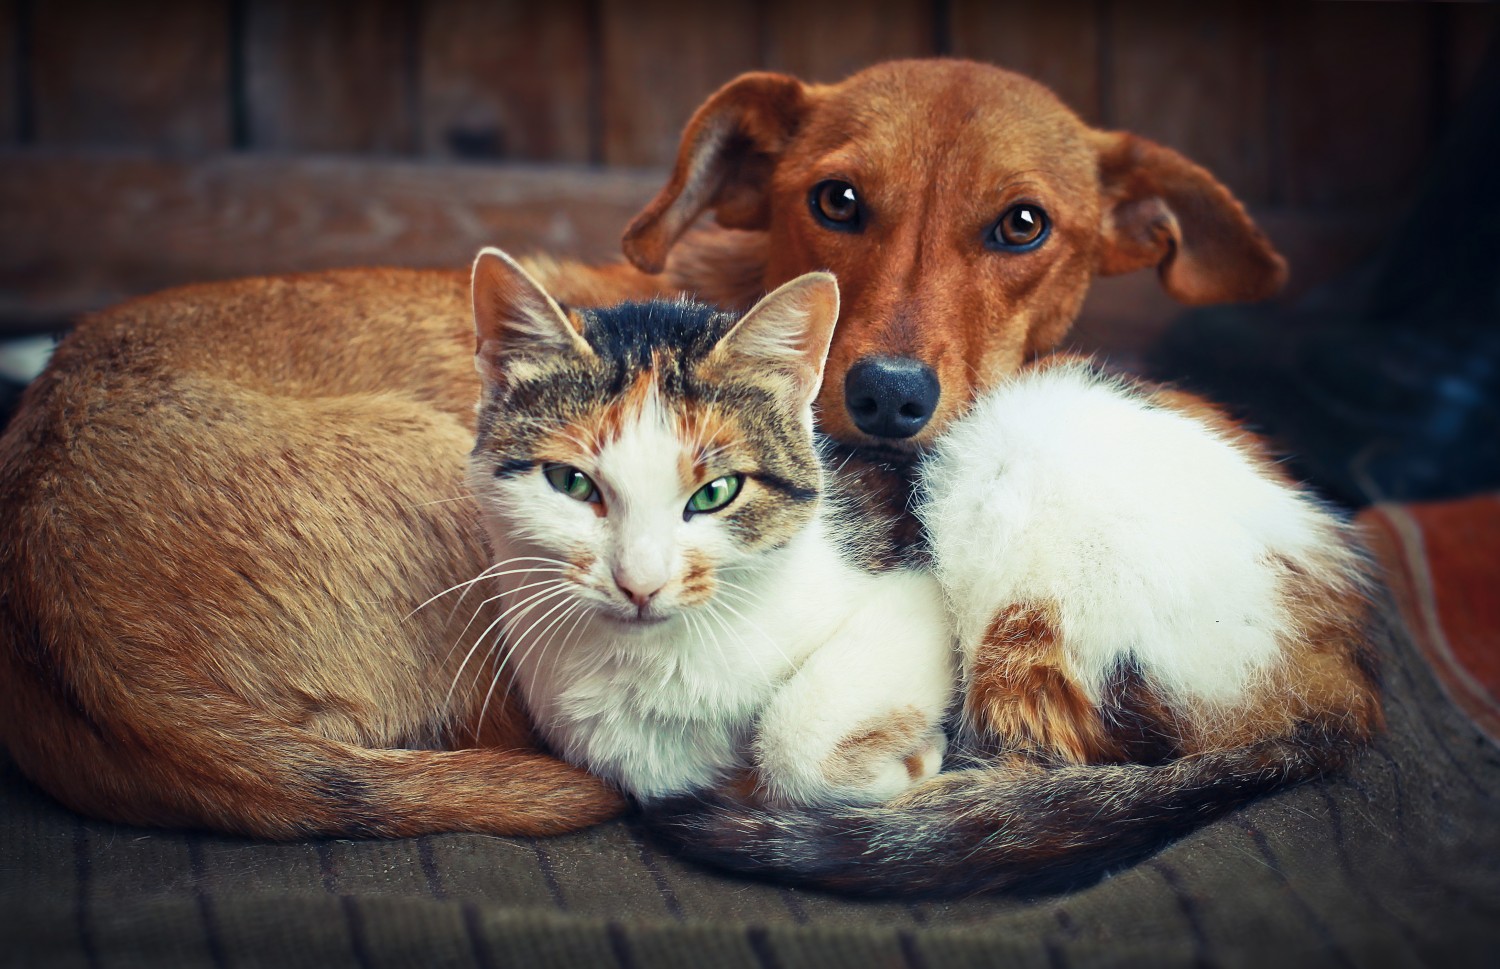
<point x="211" y="761"/>
<point x="995" y="828"/>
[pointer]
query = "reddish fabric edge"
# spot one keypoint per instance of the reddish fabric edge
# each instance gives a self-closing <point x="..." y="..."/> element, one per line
<point x="1395" y="536"/>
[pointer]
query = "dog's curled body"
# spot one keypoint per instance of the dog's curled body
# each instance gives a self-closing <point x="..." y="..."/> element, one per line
<point x="223" y="505"/>
<point x="1135" y="587"/>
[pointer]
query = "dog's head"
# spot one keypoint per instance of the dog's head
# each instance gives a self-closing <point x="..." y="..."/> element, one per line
<point x="964" y="210"/>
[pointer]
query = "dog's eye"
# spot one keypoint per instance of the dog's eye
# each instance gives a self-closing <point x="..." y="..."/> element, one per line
<point x="836" y="206"/>
<point x="1021" y="228"/>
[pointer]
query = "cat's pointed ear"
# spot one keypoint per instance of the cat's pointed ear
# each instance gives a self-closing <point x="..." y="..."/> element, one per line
<point x="515" y="318"/>
<point x="783" y="339"/>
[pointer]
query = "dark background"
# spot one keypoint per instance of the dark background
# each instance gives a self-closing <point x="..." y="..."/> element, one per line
<point x="150" y="143"/>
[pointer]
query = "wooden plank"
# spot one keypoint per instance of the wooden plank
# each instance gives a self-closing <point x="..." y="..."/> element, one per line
<point x="153" y="74"/>
<point x="1352" y="90"/>
<point x="10" y="73"/>
<point x="661" y="58"/>
<point x="78" y="231"/>
<point x="337" y="75"/>
<point x="1056" y="42"/>
<point x="831" y="39"/>
<point x="1193" y="76"/>
<point x="508" y="79"/>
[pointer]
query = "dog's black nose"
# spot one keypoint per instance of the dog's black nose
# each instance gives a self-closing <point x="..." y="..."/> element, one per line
<point x="891" y="396"/>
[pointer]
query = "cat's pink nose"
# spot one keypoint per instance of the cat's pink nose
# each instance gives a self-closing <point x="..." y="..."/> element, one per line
<point x="638" y="591"/>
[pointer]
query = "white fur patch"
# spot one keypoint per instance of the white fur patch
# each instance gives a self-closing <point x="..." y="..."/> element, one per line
<point x="1156" y="538"/>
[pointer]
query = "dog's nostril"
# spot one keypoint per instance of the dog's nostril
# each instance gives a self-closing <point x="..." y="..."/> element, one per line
<point x="890" y="397"/>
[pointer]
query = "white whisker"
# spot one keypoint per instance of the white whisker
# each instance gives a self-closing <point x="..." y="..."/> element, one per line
<point x="488" y="573"/>
<point x="533" y="599"/>
<point x="513" y="642"/>
<point x="442" y="501"/>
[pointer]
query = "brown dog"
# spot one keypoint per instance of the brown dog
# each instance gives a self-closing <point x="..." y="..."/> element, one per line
<point x="224" y="503"/>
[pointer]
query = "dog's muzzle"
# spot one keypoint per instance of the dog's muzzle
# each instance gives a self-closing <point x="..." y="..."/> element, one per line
<point x="891" y="397"/>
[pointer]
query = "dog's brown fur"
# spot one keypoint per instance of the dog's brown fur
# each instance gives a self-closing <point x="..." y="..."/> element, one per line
<point x="223" y="502"/>
<point x="222" y="505"/>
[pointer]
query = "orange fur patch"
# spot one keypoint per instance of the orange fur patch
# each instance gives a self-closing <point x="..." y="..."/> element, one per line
<point x="710" y="432"/>
<point x="1328" y="676"/>
<point x="1022" y="692"/>
<point x="698" y="582"/>
<point x="889" y="736"/>
<point x="743" y="784"/>
<point x="610" y="422"/>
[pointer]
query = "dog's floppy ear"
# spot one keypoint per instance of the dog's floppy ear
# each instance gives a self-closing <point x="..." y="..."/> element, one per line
<point x="728" y="153"/>
<point x="1162" y="210"/>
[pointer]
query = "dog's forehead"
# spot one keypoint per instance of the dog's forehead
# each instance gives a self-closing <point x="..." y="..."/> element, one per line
<point x="909" y="116"/>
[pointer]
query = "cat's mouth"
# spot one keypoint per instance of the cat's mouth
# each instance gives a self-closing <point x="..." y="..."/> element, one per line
<point x="636" y="620"/>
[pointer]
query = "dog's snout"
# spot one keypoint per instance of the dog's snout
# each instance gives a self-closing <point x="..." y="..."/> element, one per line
<point x="891" y="397"/>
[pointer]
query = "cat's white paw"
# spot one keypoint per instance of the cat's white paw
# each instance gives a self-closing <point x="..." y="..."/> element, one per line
<point x="873" y="762"/>
<point x="871" y="777"/>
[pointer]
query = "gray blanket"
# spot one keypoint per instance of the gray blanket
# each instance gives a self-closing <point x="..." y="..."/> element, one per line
<point x="1396" y="861"/>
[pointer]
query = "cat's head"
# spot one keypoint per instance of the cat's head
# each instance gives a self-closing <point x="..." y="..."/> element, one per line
<point x="650" y="450"/>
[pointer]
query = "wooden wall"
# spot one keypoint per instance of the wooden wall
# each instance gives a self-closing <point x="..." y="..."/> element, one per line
<point x="1304" y="103"/>
<point x="1323" y="110"/>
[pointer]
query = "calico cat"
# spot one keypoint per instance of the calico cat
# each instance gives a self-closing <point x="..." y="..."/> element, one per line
<point x="679" y="593"/>
<point x="1156" y="625"/>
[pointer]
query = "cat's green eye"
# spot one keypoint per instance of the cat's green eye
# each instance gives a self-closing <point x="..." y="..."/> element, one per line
<point x="571" y="482"/>
<point x="714" y="495"/>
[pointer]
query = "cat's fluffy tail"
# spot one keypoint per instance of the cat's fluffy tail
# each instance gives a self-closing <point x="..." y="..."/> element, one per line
<point x="998" y="828"/>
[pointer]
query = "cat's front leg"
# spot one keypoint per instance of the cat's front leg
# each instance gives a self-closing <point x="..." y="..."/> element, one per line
<point x="862" y="718"/>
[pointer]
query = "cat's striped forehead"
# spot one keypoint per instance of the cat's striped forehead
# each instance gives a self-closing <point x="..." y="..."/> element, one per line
<point x="642" y="353"/>
<point x="643" y="391"/>
<point x="694" y="433"/>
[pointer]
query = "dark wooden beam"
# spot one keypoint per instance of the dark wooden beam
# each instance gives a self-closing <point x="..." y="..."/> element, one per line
<point x="81" y="231"/>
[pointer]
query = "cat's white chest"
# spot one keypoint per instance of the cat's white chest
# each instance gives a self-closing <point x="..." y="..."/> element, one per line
<point x="657" y="720"/>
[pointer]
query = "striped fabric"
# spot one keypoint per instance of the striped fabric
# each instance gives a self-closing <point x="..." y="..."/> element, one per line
<point x="1396" y="861"/>
<point x="1443" y="564"/>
